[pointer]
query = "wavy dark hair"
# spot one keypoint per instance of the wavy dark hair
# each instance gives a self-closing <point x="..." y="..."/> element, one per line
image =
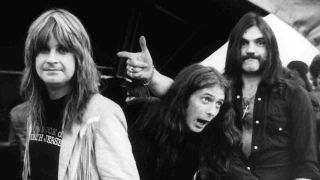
<point x="70" y="33"/>
<point x="273" y="68"/>
<point x="221" y="142"/>
<point x="166" y="123"/>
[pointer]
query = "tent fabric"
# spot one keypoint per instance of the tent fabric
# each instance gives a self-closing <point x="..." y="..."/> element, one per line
<point x="292" y="45"/>
<point x="302" y="15"/>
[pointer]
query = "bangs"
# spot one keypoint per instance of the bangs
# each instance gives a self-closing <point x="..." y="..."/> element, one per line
<point x="52" y="28"/>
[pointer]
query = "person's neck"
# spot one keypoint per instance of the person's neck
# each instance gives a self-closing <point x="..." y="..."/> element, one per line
<point x="250" y="85"/>
<point x="57" y="92"/>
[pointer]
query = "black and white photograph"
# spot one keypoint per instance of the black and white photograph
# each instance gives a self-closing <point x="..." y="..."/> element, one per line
<point x="160" y="90"/>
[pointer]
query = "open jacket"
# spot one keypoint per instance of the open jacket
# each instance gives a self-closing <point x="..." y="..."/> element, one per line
<point x="98" y="148"/>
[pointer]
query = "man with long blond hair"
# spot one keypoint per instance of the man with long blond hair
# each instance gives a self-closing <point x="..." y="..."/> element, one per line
<point x="73" y="131"/>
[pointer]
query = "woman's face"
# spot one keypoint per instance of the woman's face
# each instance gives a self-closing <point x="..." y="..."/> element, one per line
<point x="55" y="65"/>
<point x="204" y="105"/>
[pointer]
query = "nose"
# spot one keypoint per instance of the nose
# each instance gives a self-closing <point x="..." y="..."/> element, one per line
<point x="52" y="58"/>
<point x="212" y="111"/>
<point x="251" y="48"/>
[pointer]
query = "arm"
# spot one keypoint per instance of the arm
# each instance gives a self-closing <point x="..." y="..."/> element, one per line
<point x="159" y="84"/>
<point x="19" y="116"/>
<point x="303" y="135"/>
<point x="114" y="157"/>
<point x="140" y="66"/>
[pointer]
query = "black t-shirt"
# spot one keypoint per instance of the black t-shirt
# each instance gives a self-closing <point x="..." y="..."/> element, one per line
<point x="44" y="144"/>
<point x="188" y="158"/>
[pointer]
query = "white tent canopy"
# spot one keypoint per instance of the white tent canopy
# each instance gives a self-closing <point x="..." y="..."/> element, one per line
<point x="302" y="15"/>
<point x="292" y="45"/>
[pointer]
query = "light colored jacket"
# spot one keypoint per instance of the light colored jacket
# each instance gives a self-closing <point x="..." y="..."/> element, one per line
<point x="98" y="148"/>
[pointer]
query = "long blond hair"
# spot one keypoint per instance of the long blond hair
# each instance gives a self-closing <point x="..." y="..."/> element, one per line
<point x="70" y="33"/>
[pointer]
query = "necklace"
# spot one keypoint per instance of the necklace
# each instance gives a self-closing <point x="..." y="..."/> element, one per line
<point x="246" y="103"/>
<point x="248" y="95"/>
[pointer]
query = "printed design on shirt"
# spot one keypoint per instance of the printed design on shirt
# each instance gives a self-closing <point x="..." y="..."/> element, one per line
<point x="47" y="135"/>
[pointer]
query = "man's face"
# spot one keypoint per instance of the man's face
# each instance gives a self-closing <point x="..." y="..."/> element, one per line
<point x="204" y="105"/>
<point x="55" y="65"/>
<point x="253" y="51"/>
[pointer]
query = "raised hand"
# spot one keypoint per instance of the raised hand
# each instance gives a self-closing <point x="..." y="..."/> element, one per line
<point x="139" y="64"/>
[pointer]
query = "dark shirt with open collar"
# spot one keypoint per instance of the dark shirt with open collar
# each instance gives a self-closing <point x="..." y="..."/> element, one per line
<point x="284" y="135"/>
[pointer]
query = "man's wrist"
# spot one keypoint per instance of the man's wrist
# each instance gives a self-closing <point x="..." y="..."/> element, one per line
<point x="148" y="81"/>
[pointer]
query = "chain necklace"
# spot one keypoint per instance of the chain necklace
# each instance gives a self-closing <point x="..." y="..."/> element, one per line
<point x="246" y="103"/>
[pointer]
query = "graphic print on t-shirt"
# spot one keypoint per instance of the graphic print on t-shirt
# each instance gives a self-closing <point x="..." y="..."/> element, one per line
<point x="45" y="142"/>
<point x="47" y="135"/>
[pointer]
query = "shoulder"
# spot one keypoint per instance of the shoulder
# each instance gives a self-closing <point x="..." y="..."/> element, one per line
<point x="290" y="88"/>
<point x="296" y="97"/>
<point x="101" y="104"/>
<point x="20" y="110"/>
<point x="103" y="107"/>
<point x="20" y="107"/>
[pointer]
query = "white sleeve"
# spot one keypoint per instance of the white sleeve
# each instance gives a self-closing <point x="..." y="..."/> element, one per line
<point x="113" y="150"/>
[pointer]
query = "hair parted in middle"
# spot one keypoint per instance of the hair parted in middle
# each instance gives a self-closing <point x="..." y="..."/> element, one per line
<point x="71" y="34"/>
<point x="166" y="123"/>
<point x="272" y="69"/>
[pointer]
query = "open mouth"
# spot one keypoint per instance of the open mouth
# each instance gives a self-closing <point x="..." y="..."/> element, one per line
<point x="202" y="122"/>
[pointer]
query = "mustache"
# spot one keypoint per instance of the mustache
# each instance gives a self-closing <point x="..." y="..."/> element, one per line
<point x="250" y="56"/>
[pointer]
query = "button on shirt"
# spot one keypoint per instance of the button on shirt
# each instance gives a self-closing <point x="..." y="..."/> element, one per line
<point x="278" y="111"/>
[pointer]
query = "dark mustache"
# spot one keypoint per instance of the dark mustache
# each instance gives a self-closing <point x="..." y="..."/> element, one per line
<point x="251" y="56"/>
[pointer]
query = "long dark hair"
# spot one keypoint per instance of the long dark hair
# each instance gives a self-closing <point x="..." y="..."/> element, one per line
<point x="222" y="140"/>
<point x="273" y="68"/>
<point x="68" y="31"/>
<point x="166" y="123"/>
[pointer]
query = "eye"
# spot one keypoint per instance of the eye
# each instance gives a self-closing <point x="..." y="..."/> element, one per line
<point x="62" y="50"/>
<point x="243" y="43"/>
<point x="206" y="100"/>
<point x="261" y="42"/>
<point x="44" y="49"/>
<point x="219" y="104"/>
